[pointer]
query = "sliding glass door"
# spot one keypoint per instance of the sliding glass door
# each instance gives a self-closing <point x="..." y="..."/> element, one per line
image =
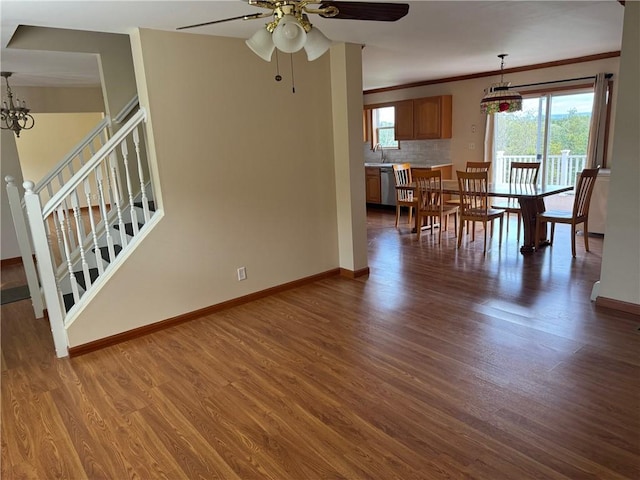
<point x="551" y="128"/>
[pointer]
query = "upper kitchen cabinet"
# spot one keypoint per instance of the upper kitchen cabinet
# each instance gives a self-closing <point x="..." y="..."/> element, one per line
<point x="432" y="117"/>
<point x="404" y="120"/>
<point x="424" y="118"/>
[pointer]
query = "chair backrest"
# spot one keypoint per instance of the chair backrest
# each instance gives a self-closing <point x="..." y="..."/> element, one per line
<point x="428" y="189"/>
<point x="473" y="192"/>
<point x="584" y="189"/>
<point x="402" y="173"/>
<point x="524" y="173"/>
<point x="478" y="166"/>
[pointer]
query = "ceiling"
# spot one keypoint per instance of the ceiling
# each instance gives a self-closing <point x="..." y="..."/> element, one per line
<point x="437" y="39"/>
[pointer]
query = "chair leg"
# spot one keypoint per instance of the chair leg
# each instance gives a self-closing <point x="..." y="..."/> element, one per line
<point x="573" y="240"/>
<point x="553" y="231"/>
<point x="536" y="238"/>
<point x="484" y="225"/>
<point x="419" y="221"/>
<point x="440" y="230"/>
<point x="455" y="223"/>
<point x="500" y="238"/>
<point x="460" y="233"/>
<point x="397" y="214"/>
<point x="586" y="235"/>
<point x="410" y="214"/>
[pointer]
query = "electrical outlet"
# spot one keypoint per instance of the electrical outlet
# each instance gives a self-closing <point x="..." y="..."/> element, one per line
<point x="242" y="274"/>
<point x="472" y="146"/>
<point x="473" y="128"/>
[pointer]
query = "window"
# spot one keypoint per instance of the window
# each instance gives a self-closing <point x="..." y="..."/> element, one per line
<point x="552" y="128"/>
<point x="383" y="126"/>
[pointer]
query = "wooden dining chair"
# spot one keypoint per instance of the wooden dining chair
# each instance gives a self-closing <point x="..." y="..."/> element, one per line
<point x="430" y="205"/>
<point x="474" y="204"/>
<point x="579" y="214"/>
<point x="471" y="167"/>
<point x="520" y="173"/>
<point x="404" y="198"/>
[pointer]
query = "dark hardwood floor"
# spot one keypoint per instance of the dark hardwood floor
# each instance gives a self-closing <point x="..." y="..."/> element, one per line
<point x="443" y="363"/>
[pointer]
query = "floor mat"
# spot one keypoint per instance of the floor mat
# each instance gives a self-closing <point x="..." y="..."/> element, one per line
<point x="14" y="294"/>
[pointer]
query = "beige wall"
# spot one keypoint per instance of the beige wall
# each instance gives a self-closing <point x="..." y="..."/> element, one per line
<point x="10" y="165"/>
<point x="620" y="275"/>
<point x="55" y="134"/>
<point x="468" y="93"/>
<point x="247" y="178"/>
<point x="113" y="51"/>
<point x="59" y="99"/>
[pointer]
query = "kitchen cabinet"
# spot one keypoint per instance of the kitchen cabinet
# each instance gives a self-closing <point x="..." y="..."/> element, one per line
<point x="404" y="120"/>
<point x="424" y="118"/>
<point x="372" y="176"/>
<point x="432" y="117"/>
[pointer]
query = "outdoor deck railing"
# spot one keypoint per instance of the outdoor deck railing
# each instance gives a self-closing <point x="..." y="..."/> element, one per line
<point x="560" y="169"/>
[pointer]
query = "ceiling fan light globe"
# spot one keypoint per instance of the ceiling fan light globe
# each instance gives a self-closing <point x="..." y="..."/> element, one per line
<point x="316" y="44"/>
<point x="289" y="36"/>
<point x="261" y="44"/>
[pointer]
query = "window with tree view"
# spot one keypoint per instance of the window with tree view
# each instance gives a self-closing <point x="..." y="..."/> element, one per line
<point x="552" y="129"/>
<point x="383" y="120"/>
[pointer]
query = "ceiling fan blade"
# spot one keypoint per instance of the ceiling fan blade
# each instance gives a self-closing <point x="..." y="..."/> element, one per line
<point x="377" y="11"/>
<point x="241" y="17"/>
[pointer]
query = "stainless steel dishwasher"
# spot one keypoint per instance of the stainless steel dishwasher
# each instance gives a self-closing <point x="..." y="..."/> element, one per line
<point x="387" y="185"/>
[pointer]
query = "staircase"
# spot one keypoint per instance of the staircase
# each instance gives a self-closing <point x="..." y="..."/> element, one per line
<point x="84" y="219"/>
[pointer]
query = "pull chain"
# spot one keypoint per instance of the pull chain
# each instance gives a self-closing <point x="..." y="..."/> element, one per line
<point x="293" y="81"/>
<point x="278" y="76"/>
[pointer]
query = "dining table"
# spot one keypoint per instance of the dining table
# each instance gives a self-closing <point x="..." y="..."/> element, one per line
<point x="530" y="199"/>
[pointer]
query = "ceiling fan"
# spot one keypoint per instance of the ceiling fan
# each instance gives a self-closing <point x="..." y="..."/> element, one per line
<point x="290" y="30"/>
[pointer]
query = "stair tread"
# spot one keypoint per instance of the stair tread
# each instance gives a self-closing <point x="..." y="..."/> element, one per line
<point x="68" y="301"/>
<point x="152" y="205"/>
<point x="93" y="274"/>
<point x="104" y="252"/>
<point x="128" y="228"/>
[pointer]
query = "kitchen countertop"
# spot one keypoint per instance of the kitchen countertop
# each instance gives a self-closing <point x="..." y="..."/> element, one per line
<point x="413" y="165"/>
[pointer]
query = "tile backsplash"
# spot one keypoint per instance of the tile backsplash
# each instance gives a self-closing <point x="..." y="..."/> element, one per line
<point x="422" y="152"/>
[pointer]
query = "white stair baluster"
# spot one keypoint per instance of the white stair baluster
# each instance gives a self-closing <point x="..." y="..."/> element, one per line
<point x="58" y="233"/>
<point x="132" y="208"/>
<point x="75" y="205"/>
<point x="92" y="223"/>
<point x="145" y="201"/>
<point x="103" y="211"/>
<point x="113" y="160"/>
<point x="67" y="255"/>
<point x="81" y="236"/>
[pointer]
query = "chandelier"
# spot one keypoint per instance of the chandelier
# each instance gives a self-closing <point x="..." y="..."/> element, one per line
<point x="15" y="116"/>
<point x="498" y="98"/>
<point x="289" y="32"/>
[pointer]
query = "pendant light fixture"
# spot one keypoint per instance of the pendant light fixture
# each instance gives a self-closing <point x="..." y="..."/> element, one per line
<point x="14" y="115"/>
<point x="498" y="98"/>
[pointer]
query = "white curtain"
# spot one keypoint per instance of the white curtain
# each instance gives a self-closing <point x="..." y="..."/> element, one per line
<point x="595" y="151"/>
<point x="489" y="129"/>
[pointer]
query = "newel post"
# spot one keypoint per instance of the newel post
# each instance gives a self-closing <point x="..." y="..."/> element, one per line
<point x="47" y="273"/>
<point x="24" y="244"/>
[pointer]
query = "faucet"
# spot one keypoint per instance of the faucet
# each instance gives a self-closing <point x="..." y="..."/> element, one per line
<point x="377" y="147"/>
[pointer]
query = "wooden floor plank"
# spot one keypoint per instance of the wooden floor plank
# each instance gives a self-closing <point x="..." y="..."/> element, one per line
<point x="442" y="363"/>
